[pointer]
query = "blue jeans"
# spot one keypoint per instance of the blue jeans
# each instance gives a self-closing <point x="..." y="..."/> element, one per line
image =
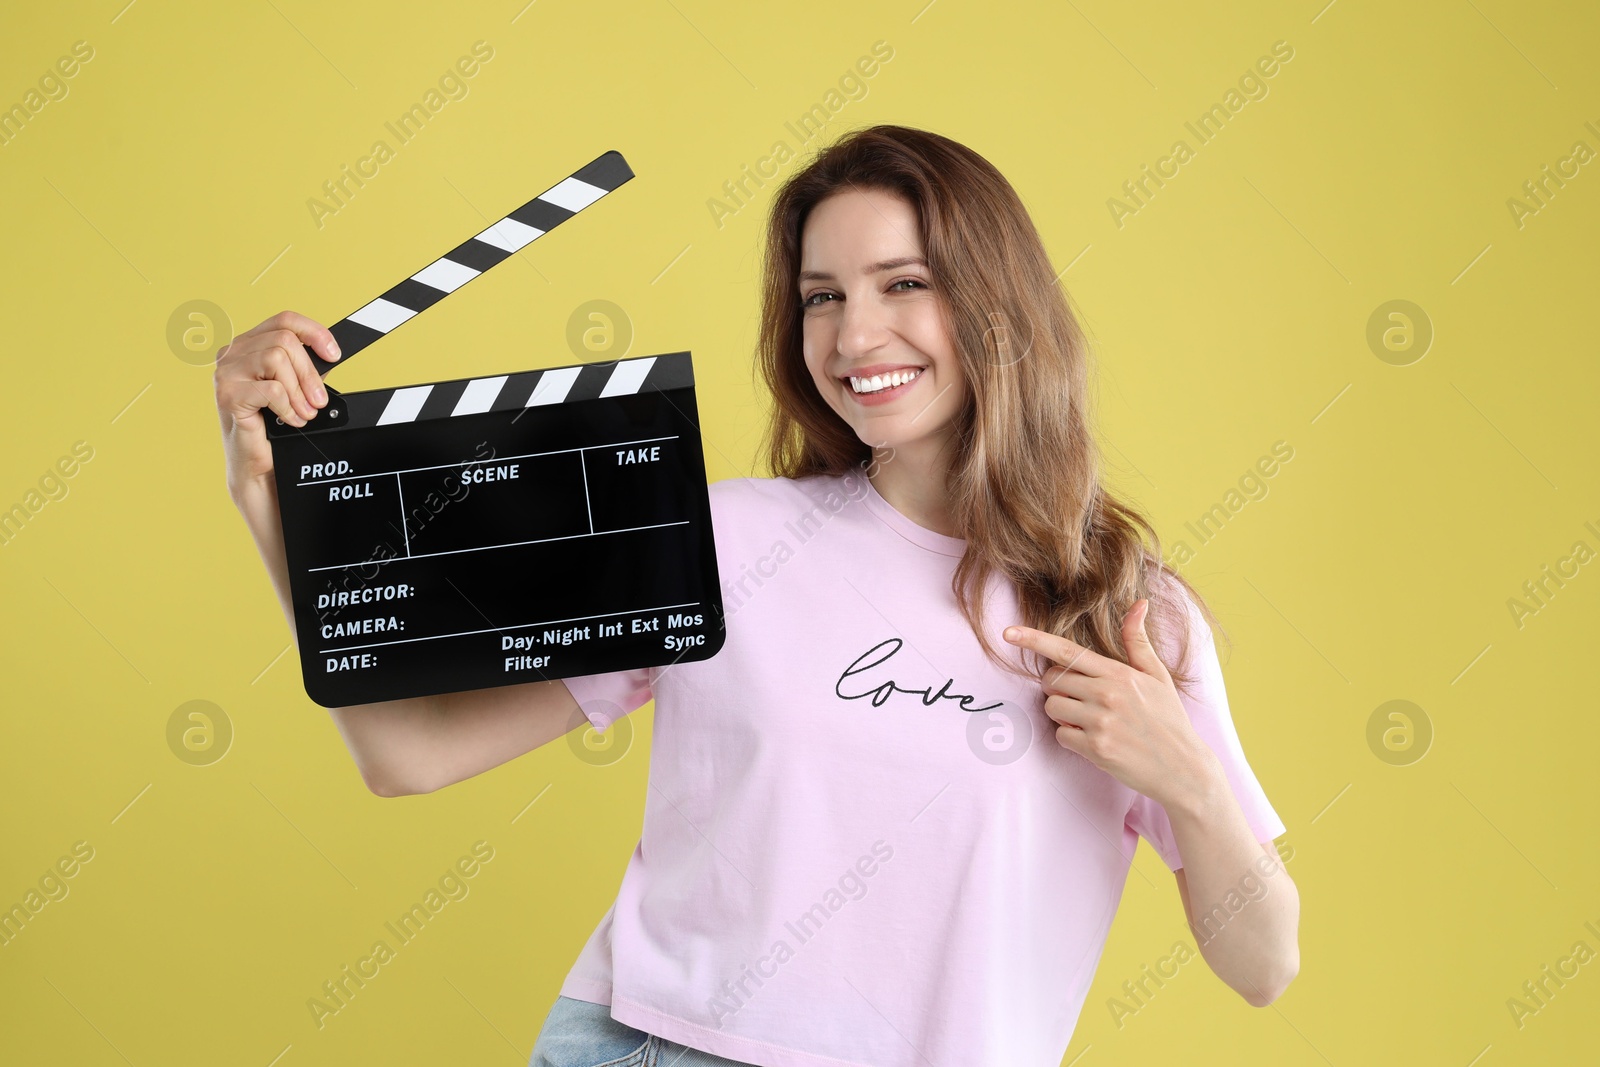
<point x="577" y="1033"/>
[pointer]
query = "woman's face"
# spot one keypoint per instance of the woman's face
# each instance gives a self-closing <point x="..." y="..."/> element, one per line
<point x="869" y="308"/>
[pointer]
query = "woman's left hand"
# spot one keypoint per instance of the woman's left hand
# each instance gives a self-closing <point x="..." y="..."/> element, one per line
<point x="1125" y="718"/>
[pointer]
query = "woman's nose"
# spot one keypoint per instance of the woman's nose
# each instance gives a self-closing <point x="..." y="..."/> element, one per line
<point x="863" y="326"/>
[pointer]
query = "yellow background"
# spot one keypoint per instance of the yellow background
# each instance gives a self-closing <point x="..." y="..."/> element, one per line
<point x="1229" y="313"/>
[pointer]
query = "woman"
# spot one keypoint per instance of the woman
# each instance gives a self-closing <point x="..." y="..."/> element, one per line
<point x="884" y="827"/>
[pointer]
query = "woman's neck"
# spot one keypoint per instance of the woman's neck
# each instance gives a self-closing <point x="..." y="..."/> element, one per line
<point x="913" y="481"/>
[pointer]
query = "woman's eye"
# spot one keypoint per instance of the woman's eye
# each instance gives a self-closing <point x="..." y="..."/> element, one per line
<point x="813" y="299"/>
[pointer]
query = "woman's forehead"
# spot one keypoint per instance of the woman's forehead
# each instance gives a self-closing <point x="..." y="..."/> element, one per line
<point x="859" y="227"/>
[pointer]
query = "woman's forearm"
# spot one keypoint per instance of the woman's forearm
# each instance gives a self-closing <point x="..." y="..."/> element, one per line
<point x="1245" y="908"/>
<point x="258" y="503"/>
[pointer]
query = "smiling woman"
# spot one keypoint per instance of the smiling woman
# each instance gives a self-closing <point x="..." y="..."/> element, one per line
<point x="932" y="455"/>
<point x="939" y="645"/>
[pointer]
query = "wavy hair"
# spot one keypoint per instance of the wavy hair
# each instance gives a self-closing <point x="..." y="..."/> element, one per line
<point x="1024" y="486"/>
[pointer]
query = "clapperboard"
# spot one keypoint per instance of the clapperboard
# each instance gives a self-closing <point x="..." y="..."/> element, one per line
<point x="490" y="531"/>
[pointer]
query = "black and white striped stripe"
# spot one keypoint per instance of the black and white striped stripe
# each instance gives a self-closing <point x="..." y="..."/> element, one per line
<point x="477" y="254"/>
<point x="510" y="392"/>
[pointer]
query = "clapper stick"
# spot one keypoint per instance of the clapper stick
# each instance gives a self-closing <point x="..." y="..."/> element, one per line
<point x="467" y="261"/>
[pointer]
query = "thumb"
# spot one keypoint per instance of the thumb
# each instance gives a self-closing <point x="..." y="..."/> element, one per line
<point x="1141" y="653"/>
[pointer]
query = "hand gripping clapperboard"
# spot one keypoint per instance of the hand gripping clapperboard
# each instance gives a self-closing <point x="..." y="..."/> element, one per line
<point x="481" y="532"/>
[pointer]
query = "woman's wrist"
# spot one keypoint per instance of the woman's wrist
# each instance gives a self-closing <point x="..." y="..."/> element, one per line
<point x="250" y="493"/>
<point x="1197" y="792"/>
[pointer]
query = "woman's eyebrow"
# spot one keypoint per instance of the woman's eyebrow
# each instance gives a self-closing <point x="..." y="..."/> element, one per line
<point x="874" y="268"/>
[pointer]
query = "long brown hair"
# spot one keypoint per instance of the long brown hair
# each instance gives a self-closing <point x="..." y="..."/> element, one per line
<point x="1024" y="486"/>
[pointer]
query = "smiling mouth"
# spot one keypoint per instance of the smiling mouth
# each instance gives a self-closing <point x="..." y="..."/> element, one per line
<point x="882" y="383"/>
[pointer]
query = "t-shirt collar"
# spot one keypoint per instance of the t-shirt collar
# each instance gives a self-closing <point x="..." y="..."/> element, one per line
<point x="911" y="531"/>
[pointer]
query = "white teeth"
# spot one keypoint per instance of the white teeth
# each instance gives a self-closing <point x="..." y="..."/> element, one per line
<point x="879" y="382"/>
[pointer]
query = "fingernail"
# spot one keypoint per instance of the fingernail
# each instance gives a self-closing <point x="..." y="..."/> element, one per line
<point x="333" y="348"/>
<point x="1012" y="633"/>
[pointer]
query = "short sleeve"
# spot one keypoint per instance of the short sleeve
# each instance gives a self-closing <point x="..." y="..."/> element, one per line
<point x="1206" y="701"/>
<point x="605" y="698"/>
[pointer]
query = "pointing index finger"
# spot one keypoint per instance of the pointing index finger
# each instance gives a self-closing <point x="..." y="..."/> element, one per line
<point x="1069" y="654"/>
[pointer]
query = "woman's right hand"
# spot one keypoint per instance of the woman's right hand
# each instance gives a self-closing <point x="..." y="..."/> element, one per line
<point x="267" y="368"/>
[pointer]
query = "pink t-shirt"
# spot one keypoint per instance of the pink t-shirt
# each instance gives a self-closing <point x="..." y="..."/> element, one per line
<point x="862" y="843"/>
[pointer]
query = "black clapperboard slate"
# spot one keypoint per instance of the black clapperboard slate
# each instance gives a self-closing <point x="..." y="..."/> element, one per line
<point x="490" y="531"/>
